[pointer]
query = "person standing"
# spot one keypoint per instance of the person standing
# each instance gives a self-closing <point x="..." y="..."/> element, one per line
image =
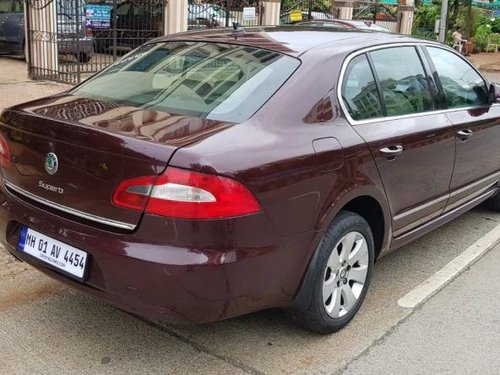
<point x="458" y="40"/>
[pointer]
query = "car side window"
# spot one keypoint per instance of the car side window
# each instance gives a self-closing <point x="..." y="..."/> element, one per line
<point x="462" y="85"/>
<point x="359" y="90"/>
<point x="403" y="81"/>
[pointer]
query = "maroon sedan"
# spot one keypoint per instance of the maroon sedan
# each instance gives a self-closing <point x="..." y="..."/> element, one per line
<point x="208" y="175"/>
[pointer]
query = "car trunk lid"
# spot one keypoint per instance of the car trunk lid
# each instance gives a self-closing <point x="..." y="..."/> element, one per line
<point x="69" y="153"/>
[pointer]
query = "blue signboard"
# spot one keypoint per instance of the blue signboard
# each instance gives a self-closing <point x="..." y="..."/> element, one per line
<point x="98" y="16"/>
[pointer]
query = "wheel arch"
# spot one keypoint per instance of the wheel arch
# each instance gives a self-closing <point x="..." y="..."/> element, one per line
<point x="370" y="205"/>
<point x="369" y="209"/>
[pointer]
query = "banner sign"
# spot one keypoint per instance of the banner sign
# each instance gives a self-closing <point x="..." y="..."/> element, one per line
<point x="249" y="13"/>
<point x="98" y="16"/>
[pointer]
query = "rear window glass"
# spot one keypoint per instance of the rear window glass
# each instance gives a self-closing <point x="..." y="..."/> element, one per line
<point x="360" y="92"/>
<point x="208" y="80"/>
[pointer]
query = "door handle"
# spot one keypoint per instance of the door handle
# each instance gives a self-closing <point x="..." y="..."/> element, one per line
<point x="391" y="152"/>
<point x="464" y="134"/>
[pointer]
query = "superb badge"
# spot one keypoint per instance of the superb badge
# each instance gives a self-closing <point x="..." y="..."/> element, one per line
<point x="51" y="163"/>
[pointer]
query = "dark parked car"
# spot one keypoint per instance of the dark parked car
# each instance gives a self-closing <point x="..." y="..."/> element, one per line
<point x="136" y="23"/>
<point x="208" y="175"/>
<point x="71" y="33"/>
<point x="139" y="22"/>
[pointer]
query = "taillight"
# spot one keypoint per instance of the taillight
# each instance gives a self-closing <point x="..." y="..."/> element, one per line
<point x="4" y="153"/>
<point x="179" y="193"/>
<point x="134" y="193"/>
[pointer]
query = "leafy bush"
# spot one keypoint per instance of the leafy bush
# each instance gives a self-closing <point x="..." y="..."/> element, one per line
<point x="495" y="38"/>
<point x="495" y="25"/>
<point x="424" y="33"/>
<point x="425" y="17"/>
<point x="488" y="31"/>
<point x="482" y="24"/>
<point x="481" y="36"/>
<point x="492" y="23"/>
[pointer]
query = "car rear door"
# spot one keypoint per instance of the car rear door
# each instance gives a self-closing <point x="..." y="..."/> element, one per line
<point x="390" y="102"/>
<point x="476" y="124"/>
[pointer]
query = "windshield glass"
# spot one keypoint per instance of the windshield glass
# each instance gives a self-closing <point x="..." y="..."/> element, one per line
<point x="208" y="80"/>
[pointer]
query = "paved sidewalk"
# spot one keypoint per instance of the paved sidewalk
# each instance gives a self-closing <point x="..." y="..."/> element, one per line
<point x="15" y="87"/>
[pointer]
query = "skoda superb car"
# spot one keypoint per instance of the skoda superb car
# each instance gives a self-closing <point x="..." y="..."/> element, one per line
<point x="209" y="175"/>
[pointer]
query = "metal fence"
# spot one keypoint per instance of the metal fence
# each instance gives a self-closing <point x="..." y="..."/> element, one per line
<point x="383" y="15"/>
<point x="304" y="10"/>
<point x="224" y="13"/>
<point x="70" y="39"/>
<point x="380" y="14"/>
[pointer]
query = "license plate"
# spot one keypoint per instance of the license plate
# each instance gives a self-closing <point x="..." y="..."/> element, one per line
<point x="64" y="257"/>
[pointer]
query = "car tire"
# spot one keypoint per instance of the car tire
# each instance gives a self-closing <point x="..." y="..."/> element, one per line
<point x="338" y="278"/>
<point x="83" y="57"/>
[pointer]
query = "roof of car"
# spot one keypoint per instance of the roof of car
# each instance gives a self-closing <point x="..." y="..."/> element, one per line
<point x="293" y="40"/>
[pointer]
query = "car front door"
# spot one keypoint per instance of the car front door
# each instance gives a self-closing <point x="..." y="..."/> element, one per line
<point x="476" y="124"/>
<point x="390" y="102"/>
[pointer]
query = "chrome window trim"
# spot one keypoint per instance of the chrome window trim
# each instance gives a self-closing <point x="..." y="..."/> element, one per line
<point x="390" y="118"/>
<point x="98" y="219"/>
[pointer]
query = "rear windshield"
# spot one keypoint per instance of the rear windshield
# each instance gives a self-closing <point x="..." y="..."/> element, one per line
<point x="208" y="80"/>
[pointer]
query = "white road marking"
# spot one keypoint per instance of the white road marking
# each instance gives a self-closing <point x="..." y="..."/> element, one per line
<point x="445" y="275"/>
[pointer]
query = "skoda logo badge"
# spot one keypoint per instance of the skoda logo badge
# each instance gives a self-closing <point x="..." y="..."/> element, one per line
<point x="51" y="163"/>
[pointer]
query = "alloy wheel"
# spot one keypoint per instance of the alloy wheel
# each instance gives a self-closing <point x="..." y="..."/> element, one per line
<point x="345" y="274"/>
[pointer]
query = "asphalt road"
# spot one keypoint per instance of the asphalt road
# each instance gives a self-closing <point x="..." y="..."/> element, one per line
<point x="46" y="328"/>
<point x="457" y="332"/>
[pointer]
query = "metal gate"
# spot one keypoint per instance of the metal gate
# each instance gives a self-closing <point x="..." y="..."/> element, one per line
<point x="208" y="14"/>
<point x="304" y="10"/>
<point x="70" y="39"/>
<point x="384" y="15"/>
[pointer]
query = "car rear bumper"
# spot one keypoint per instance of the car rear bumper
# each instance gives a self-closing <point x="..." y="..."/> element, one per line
<point x="172" y="271"/>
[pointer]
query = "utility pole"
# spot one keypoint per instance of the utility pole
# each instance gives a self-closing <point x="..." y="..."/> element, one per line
<point x="469" y="20"/>
<point x="442" y="23"/>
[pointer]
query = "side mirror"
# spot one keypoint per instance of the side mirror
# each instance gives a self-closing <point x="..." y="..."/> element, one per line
<point x="494" y="93"/>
